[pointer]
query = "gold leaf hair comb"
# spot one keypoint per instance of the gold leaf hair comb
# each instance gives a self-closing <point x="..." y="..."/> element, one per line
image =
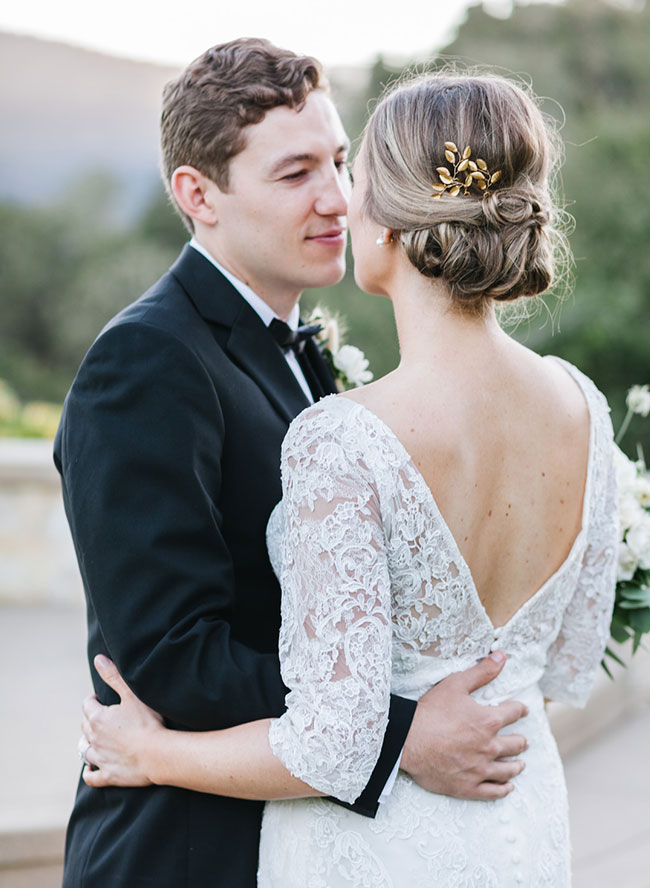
<point x="464" y="173"/>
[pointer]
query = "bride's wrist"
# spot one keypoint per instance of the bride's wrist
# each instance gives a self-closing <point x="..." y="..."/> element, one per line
<point x="154" y="758"/>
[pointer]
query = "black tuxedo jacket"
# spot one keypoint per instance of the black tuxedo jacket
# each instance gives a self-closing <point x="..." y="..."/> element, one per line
<point x="169" y="452"/>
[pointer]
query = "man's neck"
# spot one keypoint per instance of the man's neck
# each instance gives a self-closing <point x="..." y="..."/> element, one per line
<point x="283" y="308"/>
<point x="262" y="306"/>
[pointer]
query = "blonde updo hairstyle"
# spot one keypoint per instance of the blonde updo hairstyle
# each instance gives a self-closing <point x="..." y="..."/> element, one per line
<point x="500" y="244"/>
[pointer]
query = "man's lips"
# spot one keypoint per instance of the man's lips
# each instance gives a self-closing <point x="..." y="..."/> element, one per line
<point x="333" y="236"/>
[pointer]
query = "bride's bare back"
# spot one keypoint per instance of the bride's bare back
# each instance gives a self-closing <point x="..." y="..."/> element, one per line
<point x="503" y="447"/>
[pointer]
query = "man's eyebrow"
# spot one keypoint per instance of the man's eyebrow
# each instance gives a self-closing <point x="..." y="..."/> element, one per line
<point x="288" y="159"/>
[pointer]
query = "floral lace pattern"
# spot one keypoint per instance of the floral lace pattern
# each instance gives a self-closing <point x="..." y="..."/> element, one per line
<point x="377" y="598"/>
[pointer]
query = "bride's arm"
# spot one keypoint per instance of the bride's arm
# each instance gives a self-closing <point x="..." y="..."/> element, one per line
<point x="573" y="659"/>
<point x="335" y="650"/>
<point x="129" y="746"/>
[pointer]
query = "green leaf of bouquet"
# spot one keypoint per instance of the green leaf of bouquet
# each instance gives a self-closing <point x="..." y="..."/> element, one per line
<point x="633" y="605"/>
<point x="610" y="653"/>
<point x="619" y="626"/>
<point x="640" y="620"/>
<point x="642" y="593"/>
<point x="620" y="633"/>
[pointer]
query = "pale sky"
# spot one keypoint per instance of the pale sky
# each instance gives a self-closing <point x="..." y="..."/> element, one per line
<point x="174" y="32"/>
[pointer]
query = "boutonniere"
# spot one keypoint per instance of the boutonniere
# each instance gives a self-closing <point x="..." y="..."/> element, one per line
<point x="347" y="363"/>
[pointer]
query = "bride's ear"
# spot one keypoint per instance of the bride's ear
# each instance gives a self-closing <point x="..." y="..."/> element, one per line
<point x="195" y="194"/>
<point x="385" y="238"/>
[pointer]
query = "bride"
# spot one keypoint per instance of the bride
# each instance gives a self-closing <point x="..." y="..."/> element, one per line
<point x="462" y="504"/>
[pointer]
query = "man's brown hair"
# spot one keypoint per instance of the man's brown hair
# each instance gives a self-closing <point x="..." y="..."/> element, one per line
<point x="207" y="107"/>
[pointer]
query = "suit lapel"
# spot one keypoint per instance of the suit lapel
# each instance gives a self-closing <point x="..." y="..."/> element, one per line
<point x="248" y="341"/>
<point x="251" y="347"/>
<point x="320" y="368"/>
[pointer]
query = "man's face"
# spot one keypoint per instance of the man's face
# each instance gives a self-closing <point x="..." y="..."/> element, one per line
<point x="281" y="225"/>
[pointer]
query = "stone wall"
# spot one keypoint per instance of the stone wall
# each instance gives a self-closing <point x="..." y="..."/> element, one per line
<point x="37" y="559"/>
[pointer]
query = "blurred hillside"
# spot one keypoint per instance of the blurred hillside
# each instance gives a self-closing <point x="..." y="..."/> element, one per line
<point x="66" y="111"/>
<point x="85" y="229"/>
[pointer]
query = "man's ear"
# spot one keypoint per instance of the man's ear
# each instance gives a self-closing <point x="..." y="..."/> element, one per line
<point x="195" y="194"/>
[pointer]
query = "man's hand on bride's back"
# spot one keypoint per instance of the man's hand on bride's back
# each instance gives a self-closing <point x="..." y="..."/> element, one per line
<point x="454" y="746"/>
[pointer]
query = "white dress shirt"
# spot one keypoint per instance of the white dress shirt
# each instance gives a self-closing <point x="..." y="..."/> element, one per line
<point x="265" y="312"/>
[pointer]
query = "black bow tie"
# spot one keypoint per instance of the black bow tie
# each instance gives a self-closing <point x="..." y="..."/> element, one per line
<point x="287" y="338"/>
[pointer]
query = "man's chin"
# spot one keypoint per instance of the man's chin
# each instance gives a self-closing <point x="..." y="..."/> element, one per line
<point x="327" y="278"/>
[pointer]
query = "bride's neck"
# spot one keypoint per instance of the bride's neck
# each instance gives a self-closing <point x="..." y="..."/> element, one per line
<point x="431" y="331"/>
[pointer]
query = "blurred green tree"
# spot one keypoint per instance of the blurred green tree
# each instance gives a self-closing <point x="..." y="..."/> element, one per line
<point x="64" y="272"/>
<point x="592" y="58"/>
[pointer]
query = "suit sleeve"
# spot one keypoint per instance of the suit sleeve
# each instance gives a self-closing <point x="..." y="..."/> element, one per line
<point x="140" y="456"/>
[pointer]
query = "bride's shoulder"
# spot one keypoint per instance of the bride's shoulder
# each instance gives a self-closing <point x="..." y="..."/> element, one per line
<point x="593" y="396"/>
<point x="330" y="410"/>
<point x="339" y="428"/>
<point x="326" y="419"/>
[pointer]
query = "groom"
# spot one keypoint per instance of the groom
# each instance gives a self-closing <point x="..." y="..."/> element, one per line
<point x="169" y="451"/>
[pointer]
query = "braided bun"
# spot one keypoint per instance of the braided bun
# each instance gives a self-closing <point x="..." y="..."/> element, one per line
<point x="499" y="244"/>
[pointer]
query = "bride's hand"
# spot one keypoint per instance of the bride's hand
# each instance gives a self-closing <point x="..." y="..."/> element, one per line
<point x="120" y="736"/>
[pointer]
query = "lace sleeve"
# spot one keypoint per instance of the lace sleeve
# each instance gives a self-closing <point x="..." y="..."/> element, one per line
<point x="335" y="641"/>
<point x="574" y="657"/>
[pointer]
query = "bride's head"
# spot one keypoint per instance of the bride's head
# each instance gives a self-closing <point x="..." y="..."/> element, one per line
<point x="458" y="167"/>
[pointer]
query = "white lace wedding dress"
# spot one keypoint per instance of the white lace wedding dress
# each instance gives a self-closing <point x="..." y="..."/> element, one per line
<point x="378" y="599"/>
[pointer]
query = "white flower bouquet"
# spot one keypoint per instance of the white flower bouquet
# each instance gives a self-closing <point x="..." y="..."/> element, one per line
<point x="347" y="363"/>
<point x="631" y="617"/>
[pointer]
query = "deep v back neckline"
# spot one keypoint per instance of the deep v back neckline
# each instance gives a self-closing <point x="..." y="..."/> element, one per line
<point x="461" y="563"/>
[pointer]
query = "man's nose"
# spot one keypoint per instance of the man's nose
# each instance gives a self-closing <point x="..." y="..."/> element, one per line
<point x="334" y="195"/>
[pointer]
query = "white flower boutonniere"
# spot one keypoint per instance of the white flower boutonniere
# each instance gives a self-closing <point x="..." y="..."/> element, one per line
<point x="347" y="363"/>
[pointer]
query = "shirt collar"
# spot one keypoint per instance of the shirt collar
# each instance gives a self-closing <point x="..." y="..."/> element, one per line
<point x="256" y="302"/>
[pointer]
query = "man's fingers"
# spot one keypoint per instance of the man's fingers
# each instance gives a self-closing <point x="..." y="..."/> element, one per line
<point x="107" y="671"/>
<point x="489" y="792"/>
<point x="483" y="673"/>
<point x="504" y="772"/>
<point x="509" y="745"/>
<point x="510" y="712"/>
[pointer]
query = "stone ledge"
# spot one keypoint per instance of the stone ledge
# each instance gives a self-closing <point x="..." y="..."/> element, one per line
<point x="24" y="460"/>
<point x="37" y="559"/>
<point x="32" y="858"/>
<point x="29" y="848"/>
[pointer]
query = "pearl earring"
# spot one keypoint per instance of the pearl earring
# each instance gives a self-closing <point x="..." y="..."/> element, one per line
<point x="384" y="238"/>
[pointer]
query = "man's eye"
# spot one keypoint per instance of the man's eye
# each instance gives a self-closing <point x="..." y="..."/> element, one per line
<point x="344" y="166"/>
<point x="293" y="176"/>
